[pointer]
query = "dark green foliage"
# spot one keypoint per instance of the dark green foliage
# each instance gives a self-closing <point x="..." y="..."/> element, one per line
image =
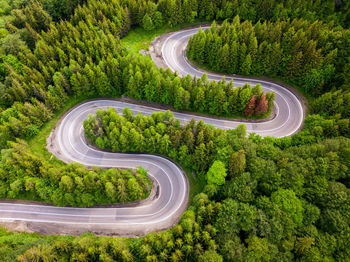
<point x="333" y="103"/>
<point x="147" y="23"/>
<point x="310" y="54"/>
<point x="283" y="199"/>
<point x="61" y="9"/>
<point x="291" y="190"/>
<point x="181" y="11"/>
<point x="198" y="95"/>
<point x="317" y="127"/>
<point x="83" y="57"/>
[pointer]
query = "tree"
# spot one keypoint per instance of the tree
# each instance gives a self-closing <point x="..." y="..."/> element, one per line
<point x="217" y="173"/>
<point x="262" y="106"/>
<point x="237" y="163"/>
<point x="303" y="244"/>
<point x="188" y="13"/>
<point x="246" y="65"/>
<point x="38" y="253"/>
<point x="295" y="66"/>
<point x="13" y="44"/>
<point x="258" y="249"/>
<point x="147" y="23"/>
<point x="241" y="188"/>
<point x="224" y="58"/>
<point x="110" y="191"/>
<point x="158" y="19"/>
<point x="332" y="220"/>
<point x="67" y="184"/>
<point x="244" y="97"/>
<point x="290" y="204"/>
<point x="210" y="256"/>
<point x="235" y="216"/>
<point x="37" y="17"/>
<point x="251" y="106"/>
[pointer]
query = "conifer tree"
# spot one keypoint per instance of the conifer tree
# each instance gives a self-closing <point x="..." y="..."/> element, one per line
<point x="246" y="65"/>
<point x="147" y="23"/>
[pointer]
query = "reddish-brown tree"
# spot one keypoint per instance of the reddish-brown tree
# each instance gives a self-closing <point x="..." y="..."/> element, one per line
<point x="262" y="106"/>
<point x="251" y="106"/>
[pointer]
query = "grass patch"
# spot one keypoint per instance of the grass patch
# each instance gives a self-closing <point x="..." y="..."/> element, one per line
<point x="197" y="183"/>
<point x="37" y="144"/>
<point x="138" y="38"/>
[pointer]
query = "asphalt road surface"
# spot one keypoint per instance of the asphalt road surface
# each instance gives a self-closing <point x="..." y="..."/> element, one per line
<point x="289" y="110"/>
<point x="170" y="195"/>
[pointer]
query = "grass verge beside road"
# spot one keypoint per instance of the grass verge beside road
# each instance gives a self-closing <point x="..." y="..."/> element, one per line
<point x="37" y="144"/>
<point x="138" y="38"/>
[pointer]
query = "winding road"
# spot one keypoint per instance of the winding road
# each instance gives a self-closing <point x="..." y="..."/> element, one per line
<point x="169" y="196"/>
<point x="289" y="110"/>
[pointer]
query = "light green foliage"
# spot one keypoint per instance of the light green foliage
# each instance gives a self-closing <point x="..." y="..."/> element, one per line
<point x="258" y="249"/>
<point x="217" y="173"/>
<point x="147" y="23"/>
<point x="210" y="256"/>
<point x="27" y="175"/>
<point x="289" y="203"/>
<point x="272" y="185"/>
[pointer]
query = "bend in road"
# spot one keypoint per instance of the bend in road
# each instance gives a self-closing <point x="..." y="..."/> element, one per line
<point x="290" y="112"/>
<point x="67" y="143"/>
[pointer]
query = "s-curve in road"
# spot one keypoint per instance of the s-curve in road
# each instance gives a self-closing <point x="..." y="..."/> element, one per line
<point x="288" y="107"/>
<point x="169" y="195"/>
<point x="67" y="142"/>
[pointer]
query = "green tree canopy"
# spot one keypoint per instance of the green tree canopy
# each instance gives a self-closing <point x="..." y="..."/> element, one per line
<point x="217" y="173"/>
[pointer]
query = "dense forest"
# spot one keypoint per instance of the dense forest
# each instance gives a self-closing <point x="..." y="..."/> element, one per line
<point x="264" y="200"/>
<point x="84" y="58"/>
<point x="312" y="54"/>
<point x="286" y="198"/>
<point x="27" y="175"/>
<point x="199" y="95"/>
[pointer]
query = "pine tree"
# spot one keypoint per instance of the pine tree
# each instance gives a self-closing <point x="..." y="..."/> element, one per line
<point x="224" y="58"/>
<point x="147" y="23"/>
<point x="252" y="47"/>
<point x="158" y="19"/>
<point x="234" y="58"/>
<point x="246" y="66"/>
<point x="294" y="66"/>
<point x="242" y="53"/>
<point x="37" y="17"/>
<point x="187" y="11"/>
